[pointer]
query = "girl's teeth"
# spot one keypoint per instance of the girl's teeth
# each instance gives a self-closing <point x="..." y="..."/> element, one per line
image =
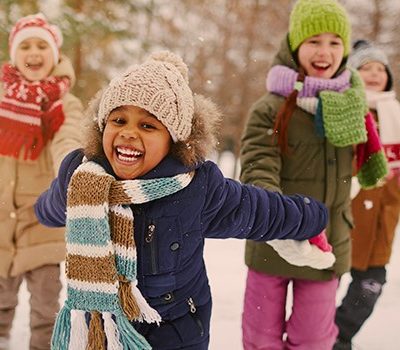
<point x="128" y="152"/>
<point x="126" y="159"/>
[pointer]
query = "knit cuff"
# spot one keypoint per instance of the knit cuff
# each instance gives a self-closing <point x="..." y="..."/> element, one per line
<point x="373" y="170"/>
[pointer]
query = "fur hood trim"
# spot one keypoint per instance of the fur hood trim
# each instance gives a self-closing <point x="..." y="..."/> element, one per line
<point x="201" y="143"/>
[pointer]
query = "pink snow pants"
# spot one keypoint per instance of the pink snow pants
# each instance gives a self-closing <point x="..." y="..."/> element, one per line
<point x="311" y="325"/>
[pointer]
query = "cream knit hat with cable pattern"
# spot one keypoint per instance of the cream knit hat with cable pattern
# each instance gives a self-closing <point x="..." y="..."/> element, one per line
<point x="160" y="86"/>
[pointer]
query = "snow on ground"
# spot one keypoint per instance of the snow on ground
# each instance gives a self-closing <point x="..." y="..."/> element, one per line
<point x="227" y="274"/>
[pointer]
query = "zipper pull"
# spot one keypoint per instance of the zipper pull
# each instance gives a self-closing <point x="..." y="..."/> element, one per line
<point x="192" y="306"/>
<point x="150" y="233"/>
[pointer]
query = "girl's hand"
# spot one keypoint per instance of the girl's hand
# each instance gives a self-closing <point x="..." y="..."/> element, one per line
<point x="305" y="253"/>
<point x="321" y="241"/>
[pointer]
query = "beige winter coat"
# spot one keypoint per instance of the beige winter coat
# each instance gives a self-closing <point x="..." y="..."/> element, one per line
<point x="24" y="243"/>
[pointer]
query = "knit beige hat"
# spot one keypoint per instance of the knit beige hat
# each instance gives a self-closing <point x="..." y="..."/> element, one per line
<point x="160" y="86"/>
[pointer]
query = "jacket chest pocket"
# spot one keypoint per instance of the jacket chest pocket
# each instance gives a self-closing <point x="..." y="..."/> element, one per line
<point x="162" y="243"/>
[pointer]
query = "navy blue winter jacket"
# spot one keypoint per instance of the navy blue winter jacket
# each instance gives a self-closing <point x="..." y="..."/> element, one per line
<point x="169" y="232"/>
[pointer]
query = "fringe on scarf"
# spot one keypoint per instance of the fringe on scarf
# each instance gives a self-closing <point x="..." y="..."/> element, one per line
<point x="13" y="141"/>
<point x="72" y="333"/>
<point x="62" y="330"/>
<point x="112" y="333"/>
<point x="96" y="335"/>
<point x="134" y="304"/>
<point x="79" y="330"/>
<point x="130" y="338"/>
<point x="128" y="301"/>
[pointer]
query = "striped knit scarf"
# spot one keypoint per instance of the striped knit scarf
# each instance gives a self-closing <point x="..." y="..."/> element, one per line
<point x="101" y="260"/>
<point x="341" y="101"/>
<point x="30" y="112"/>
<point x="340" y="114"/>
<point x="387" y="108"/>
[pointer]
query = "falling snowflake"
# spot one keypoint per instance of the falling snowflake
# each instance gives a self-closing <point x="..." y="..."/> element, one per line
<point x="368" y="204"/>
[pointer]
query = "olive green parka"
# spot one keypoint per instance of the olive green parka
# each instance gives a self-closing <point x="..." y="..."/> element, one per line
<point x="314" y="167"/>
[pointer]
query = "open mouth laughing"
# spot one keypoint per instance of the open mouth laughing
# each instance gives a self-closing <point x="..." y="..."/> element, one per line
<point x="34" y="65"/>
<point x="127" y="154"/>
<point x="320" y="66"/>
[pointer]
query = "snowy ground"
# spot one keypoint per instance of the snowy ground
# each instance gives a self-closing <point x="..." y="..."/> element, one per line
<point x="227" y="276"/>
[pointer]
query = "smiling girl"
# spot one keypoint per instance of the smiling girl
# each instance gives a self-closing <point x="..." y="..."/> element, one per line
<point x="375" y="226"/>
<point x="300" y="137"/>
<point x="138" y="203"/>
<point x="38" y="126"/>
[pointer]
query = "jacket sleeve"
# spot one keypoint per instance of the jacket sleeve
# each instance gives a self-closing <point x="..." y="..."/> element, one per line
<point x="51" y="206"/>
<point x="236" y="210"/>
<point x="259" y="151"/>
<point x="68" y="137"/>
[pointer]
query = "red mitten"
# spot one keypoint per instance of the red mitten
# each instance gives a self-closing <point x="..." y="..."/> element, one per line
<point x="321" y="241"/>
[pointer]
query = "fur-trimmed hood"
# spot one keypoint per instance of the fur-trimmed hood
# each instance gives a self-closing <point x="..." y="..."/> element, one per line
<point x="199" y="145"/>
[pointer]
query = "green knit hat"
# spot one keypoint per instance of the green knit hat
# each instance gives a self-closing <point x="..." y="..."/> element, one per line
<point x="313" y="17"/>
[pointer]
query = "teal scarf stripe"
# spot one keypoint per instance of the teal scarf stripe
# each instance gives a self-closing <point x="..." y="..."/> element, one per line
<point x="96" y="231"/>
<point x="126" y="267"/>
<point x="158" y="188"/>
<point x="86" y="300"/>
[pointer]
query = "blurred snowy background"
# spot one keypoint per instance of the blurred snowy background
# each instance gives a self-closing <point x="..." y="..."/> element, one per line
<point x="228" y="45"/>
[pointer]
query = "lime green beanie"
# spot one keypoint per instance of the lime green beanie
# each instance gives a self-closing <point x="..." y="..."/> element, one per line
<point x="313" y="17"/>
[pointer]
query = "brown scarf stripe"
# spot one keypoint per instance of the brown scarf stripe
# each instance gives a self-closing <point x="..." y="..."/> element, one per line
<point x="121" y="228"/>
<point x="118" y="194"/>
<point x="90" y="195"/>
<point x="90" y="269"/>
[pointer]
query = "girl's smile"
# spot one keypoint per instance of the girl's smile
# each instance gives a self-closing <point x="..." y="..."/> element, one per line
<point x="321" y="55"/>
<point x="134" y="141"/>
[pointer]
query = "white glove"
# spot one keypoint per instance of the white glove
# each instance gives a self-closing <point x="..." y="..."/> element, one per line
<point x="302" y="253"/>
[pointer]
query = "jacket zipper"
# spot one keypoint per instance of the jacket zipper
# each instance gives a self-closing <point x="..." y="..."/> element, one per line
<point x="191" y="305"/>
<point x="194" y="316"/>
<point x="151" y="230"/>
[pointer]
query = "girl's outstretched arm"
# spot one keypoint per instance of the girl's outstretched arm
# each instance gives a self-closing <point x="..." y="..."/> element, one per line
<point x="51" y="206"/>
